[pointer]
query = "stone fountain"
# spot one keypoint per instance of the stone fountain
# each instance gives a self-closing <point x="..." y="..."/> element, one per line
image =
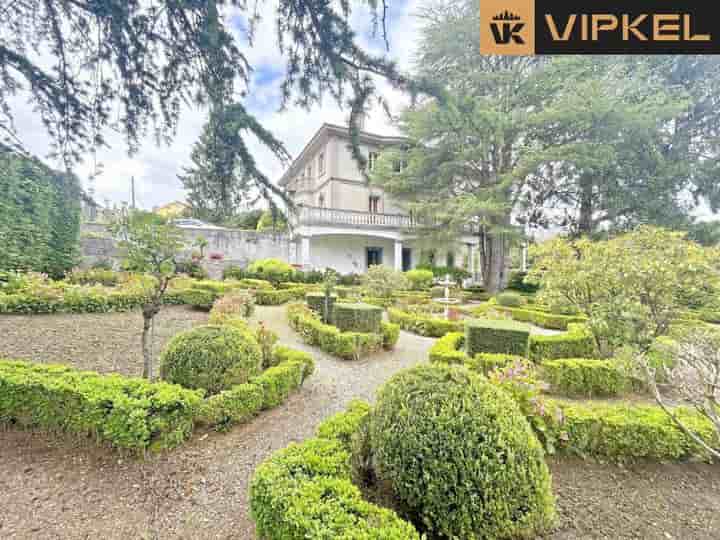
<point x="447" y="301"/>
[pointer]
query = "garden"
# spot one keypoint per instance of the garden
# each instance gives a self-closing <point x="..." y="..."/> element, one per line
<point x="396" y="408"/>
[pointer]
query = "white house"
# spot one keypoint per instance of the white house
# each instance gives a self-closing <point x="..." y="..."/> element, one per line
<point x="344" y="223"/>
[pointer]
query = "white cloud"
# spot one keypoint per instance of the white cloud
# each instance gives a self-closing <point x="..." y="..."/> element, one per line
<point x="155" y="168"/>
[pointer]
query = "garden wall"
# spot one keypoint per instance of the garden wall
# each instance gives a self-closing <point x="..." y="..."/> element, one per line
<point x="238" y="247"/>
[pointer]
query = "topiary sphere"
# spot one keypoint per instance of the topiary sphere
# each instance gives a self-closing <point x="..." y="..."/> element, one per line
<point x="459" y="456"/>
<point x="213" y="357"/>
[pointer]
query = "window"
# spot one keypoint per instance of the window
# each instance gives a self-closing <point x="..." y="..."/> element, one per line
<point x="399" y="165"/>
<point x="309" y="172"/>
<point x="374" y="204"/>
<point x="372" y="160"/>
<point x="451" y="259"/>
<point x="321" y="201"/>
<point x="373" y="256"/>
<point x="321" y="163"/>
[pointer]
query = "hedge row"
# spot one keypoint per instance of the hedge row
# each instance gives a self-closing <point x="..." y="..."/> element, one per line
<point x="242" y="402"/>
<point x="357" y="317"/>
<point x="128" y="413"/>
<point x="276" y="297"/>
<point x="628" y="432"/>
<point x="422" y="324"/>
<point x="583" y="377"/>
<point x="346" y="345"/>
<point x="541" y="318"/>
<point x="577" y="342"/>
<point x="496" y="336"/>
<point x="305" y="491"/>
<point x="449" y="349"/>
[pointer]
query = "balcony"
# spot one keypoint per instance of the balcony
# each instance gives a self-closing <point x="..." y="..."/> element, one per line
<point x="313" y="215"/>
<point x="301" y="184"/>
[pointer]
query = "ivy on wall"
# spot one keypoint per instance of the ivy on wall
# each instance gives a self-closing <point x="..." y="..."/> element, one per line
<point x="39" y="216"/>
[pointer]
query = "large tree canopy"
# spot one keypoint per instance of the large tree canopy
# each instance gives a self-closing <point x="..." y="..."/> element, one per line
<point x="131" y="64"/>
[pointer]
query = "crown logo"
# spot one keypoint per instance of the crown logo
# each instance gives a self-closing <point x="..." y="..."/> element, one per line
<point x="507" y="16"/>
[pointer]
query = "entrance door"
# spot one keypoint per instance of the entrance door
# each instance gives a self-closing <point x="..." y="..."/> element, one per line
<point x="406" y="259"/>
<point x="373" y="256"/>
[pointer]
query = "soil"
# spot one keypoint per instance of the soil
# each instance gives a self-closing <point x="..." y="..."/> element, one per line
<point x="55" y="487"/>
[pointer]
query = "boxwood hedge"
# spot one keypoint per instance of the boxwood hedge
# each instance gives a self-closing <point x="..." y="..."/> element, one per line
<point x="357" y="317"/>
<point x="496" y="336"/>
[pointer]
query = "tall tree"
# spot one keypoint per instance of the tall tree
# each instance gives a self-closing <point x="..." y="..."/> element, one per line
<point x="131" y="64"/>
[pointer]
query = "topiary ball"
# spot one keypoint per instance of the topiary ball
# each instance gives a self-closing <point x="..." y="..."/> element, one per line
<point x="459" y="456"/>
<point x="213" y="357"/>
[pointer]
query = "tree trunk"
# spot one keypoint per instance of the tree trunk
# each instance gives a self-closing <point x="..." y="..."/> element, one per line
<point x="493" y="262"/>
<point x="149" y="312"/>
<point x="585" y="218"/>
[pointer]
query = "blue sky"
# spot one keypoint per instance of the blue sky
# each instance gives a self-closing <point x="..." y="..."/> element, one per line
<point x="155" y="168"/>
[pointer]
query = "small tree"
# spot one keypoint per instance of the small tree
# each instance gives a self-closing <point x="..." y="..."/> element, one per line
<point x="631" y="287"/>
<point x="693" y="376"/>
<point x="150" y="246"/>
<point x="382" y="281"/>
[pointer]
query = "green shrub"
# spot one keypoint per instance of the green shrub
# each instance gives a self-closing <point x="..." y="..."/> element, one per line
<point x="381" y="281"/>
<point x="486" y="363"/>
<point x="517" y="283"/>
<point x="422" y="324"/>
<point x="357" y="318"/>
<point x="449" y="349"/>
<point x="198" y="298"/>
<point x="577" y="342"/>
<point x="437" y="292"/>
<point x="390" y="334"/>
<point x="628" y="432"/>
<point x="237" y="405"/>
<point x="542" y="318"/>
<point x="304" y="491"/>
<point x="586" y="377"/>
<point x="460" y="456"/>
<point x="129" y="413"/>
<point x="93" y="276"/>
<point x="489" y="336"/>
<point x="509" y="299"/>
<point x="346" y="345"/>
<point x="273" y="270"/>
<point x="276" y="297"/>
<point x="316" y="302"/>
<point x="211" y="357"/>
<point x="341" y="427"/>
<point x="420" y="280"/>
<point x="255" y="284"/>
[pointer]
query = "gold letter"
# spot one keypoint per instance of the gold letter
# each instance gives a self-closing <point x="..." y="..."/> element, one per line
<point x="554" y="30"/>
<point x="604" y="23"/>
<point x="628" y="27"/>
<point x="660" y="26"/>
<point x="584" y="27"/>
<point x="688" y="32"/>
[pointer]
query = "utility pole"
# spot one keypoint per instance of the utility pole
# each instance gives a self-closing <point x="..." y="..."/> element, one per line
<point x="132" y="191"/>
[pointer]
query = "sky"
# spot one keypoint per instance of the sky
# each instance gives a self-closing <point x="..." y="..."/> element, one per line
<point x="155" y="168"/>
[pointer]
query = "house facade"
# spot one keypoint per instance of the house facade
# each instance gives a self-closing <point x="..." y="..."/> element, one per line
<point x="346" y="224"/>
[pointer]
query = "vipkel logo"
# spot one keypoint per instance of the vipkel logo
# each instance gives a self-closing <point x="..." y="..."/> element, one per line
<point x="506" y="28"/>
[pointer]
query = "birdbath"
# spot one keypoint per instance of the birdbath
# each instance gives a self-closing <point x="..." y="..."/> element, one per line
<point x="447" y="301"/>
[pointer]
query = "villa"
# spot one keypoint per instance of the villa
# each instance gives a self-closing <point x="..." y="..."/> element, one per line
<point x="344" y="223"/>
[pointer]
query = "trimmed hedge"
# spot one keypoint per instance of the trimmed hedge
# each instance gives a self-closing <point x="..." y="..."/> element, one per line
<point x="357" y="318"/>
<point x="316" y="302"/>
<point x="629" y="432"/>
<point x="78" y="299"/>
<point x="509" y="299"/>
<point x="459" y="455"/>
<point x="255" y="284"/>
<point x="197" y="298"/>
<point x="541" y="318"/>
<point x="586" y="377"/>
<point x="277" y="297"/>
<point x="390" y="334"/>
<point x="577" y="342"/>
<point x="423" y="325"/>
<point x="242" y="402"/>
<point x="491" y="336"/>
<point x="486" y="363"/>
<point x="305" y="491"/>
<point x="129" y="413"/>
<point x="212" y="357"/>
<point x="346" y="345"/>
<point x="449" y="349"/>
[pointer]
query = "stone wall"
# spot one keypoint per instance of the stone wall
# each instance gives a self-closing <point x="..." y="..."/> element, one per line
<point x="237" y="247"/>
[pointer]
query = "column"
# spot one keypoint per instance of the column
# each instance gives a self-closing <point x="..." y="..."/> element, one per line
<point x="524" y="257"/>
<point x="398" y="255"/>
<point x="471" y="261"/>
<point x="305" y="252"/>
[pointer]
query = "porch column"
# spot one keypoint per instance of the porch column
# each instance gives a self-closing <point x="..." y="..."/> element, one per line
<point x="305" y="252"/>
<point x="524" y="257"/>
<point x="398" y="255"/>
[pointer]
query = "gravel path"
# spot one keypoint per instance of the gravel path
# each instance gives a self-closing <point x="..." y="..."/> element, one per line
<point x="57" y="488"/>
<point x="197" y="490"/>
